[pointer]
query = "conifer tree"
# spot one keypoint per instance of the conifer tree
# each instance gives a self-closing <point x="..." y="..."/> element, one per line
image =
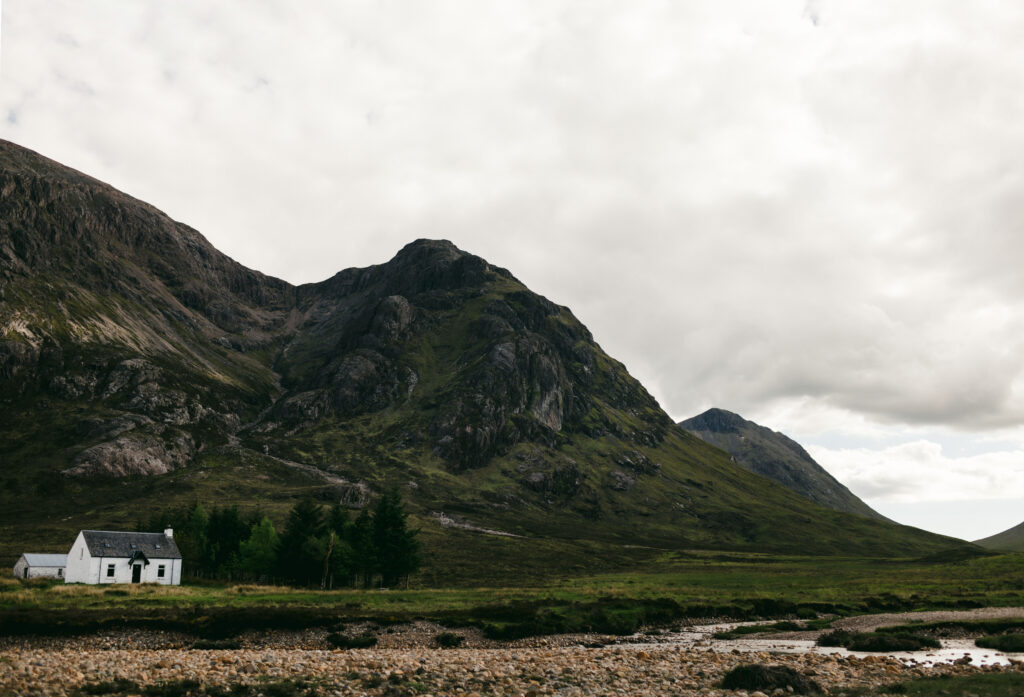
<point x="364" y="561"/>
<point x="397" y="549"/>
<point x="258" y="554"/>
<point x="225" y="532"/>
<point x="303" y="544"/>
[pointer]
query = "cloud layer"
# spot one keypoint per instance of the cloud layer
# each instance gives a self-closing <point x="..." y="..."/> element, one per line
<point x="754" y="205"/>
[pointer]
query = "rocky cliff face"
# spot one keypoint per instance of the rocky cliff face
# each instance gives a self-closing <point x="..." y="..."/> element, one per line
<point x="777" y="457"/>
<point x="109" y="302"/>
<point x="523" y="368"/>
<point x="139" y="365"/>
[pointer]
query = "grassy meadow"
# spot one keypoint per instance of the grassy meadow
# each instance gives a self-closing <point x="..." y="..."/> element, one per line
<point x="661" y="590"/>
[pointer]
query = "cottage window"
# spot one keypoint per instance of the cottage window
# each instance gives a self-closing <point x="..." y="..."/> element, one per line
<point x="81" y="553"/>
<point x="110" y="571"/>
<point x="60" y="573"/>
<point x="160" y="571"/>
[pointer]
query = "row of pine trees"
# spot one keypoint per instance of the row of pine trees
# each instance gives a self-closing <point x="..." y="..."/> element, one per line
<point x="318" y="546"/>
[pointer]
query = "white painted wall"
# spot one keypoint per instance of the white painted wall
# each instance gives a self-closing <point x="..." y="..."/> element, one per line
<point x="80" y="565"/>
<point x="84" y="568"/>
<point x="36" y="571"/>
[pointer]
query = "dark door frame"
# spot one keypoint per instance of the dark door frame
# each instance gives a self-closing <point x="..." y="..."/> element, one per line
<point x="136" y="573"/>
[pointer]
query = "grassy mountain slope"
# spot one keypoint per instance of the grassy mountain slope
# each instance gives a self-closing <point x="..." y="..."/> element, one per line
<point x="777" y="457"/>
<point x="141" y="368"/>
<point x="1011" y="540"/>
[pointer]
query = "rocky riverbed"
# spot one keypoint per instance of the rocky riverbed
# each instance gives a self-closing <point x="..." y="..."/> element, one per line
<point x="528" y="672"/>
<point x="405" y="662"/>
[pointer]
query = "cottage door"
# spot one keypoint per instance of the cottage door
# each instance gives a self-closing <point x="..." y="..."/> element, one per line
<point x="136" y="573"/>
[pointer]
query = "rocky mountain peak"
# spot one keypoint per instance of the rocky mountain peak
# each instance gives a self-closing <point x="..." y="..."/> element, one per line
<point x="716" y="420"/>
<point x="776" y="456"/>
<point x="421" y="267"/>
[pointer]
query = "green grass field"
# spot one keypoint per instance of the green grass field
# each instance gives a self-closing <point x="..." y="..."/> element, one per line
<point x="660" y="590"/>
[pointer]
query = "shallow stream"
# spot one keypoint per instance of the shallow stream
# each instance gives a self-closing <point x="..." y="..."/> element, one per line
<point x="701" y="637"/>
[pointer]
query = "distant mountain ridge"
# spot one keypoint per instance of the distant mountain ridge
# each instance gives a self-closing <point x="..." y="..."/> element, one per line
<point x="140" y="367"/>
<point x="776" y="456"/>
<point x="1011" y="540"/>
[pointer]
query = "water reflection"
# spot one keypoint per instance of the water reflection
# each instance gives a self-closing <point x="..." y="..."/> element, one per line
<point x="701" y="638"/>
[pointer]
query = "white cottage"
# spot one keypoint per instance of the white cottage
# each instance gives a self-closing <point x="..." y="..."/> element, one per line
<point x="31" y="565"/>
<point x="99" y="556"/>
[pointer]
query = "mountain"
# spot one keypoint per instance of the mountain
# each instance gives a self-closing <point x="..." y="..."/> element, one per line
<point x="141" y="368"/>
<point x="1011" y="540"/>
<point x="776" y="456"/>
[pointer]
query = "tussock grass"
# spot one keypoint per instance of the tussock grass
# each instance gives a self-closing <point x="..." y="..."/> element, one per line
<point x="1009" y="643"/>
<point x="877" y="642"/>
<point x="1004" y="684"/>
<point x="767" y="678"/>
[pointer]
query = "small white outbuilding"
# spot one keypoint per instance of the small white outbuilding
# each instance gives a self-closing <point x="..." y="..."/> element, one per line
<point x="32" y="565"/>
<point x="101" y="556"/>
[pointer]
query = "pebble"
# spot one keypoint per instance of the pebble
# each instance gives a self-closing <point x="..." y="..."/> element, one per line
<point x="528" y="672"/>
<point x="539" y="667"/>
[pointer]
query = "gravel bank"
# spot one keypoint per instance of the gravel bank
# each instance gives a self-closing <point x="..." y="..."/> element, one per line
<point x="525" y="672"/>
<point x="869" y="623"/>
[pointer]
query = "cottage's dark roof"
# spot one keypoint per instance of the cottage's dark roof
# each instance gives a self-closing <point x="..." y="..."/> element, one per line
<point x="155" y="545"/>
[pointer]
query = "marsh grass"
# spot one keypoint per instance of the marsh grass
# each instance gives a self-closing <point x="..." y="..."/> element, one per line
<point x="993" y="626"/>
<point x="783" y="626"/>
<point x="677" y="586"/>
<point x="1009" y="643"/>
<point x="766" y="678"/>
<point x="1003" y="684"/>
<point x="297" y="687"/>
<point x="878" y="642"/>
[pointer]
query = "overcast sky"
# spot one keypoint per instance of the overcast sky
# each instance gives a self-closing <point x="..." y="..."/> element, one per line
<point x="808" y="212"/>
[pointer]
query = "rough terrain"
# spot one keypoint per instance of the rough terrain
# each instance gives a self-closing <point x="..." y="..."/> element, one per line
<point x="530" y="672"/>
<point x="405" y="662"/>
<point x="870" y="623"/>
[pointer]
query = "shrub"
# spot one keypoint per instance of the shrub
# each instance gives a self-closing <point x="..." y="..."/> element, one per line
<point x="340" y="641"/>
<point x="785" y="626"/>
<point x="738" y="632"/>
<point x="878" y="642"/>
<point x="891" y="642"/>
<point x="756" y="676"/>
<point x="837" y="637"/>
<point x="173" y="688"/>
<point x="217" y="644"/>
<point x="285" y="688"/>
<point x="449" y="640"/>
<point x="110" y="687"/>
<point x="1010" y="643"/>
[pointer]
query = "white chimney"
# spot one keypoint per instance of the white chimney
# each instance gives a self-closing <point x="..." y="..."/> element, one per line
<point x="169" y="533"/>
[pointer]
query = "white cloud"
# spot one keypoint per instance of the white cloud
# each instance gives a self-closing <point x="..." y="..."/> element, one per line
<point x="921" y="471"/>
<point x="968" y="520"/>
